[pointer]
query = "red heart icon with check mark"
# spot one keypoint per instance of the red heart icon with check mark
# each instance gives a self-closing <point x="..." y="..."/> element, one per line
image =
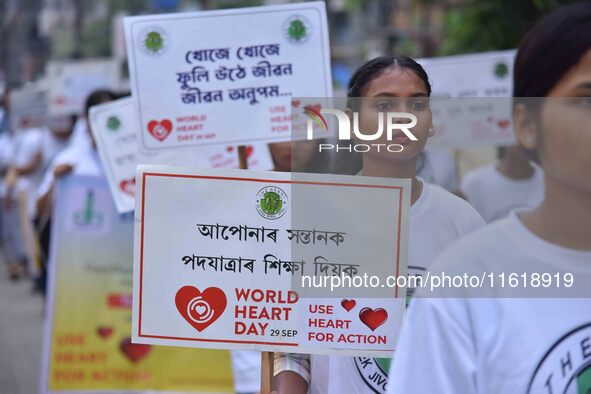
<point x="127" y="186"/>
<point x="134" y="351"/>
<point x="373" y="318"/>
<point x="348" y="304"/>
<point x="160" y="129"/>
<point x="200" y="308"/>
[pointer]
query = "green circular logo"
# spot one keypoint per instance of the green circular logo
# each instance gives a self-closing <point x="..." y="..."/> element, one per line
<point x="271" y="202"/>
<point x="501" y="70"/>
<point x="153" y="40"/>
<point x="113" y="123"/>
<point x="297" y="29"/>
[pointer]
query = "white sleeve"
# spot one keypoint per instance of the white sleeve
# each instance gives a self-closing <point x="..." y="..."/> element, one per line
<point x="46" y="182"/>
<point x="435" y="352"/>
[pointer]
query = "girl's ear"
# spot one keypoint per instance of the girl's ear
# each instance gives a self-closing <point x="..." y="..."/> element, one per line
<point x="349" y="113"/>
<point x="525" y="127"/>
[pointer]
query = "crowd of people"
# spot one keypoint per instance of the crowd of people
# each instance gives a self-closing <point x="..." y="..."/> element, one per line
<point x="528" y="212"/>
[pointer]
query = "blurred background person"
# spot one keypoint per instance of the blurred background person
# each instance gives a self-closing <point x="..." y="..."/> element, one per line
<point x="497" y="189"/>
<point x="77" y="158"/>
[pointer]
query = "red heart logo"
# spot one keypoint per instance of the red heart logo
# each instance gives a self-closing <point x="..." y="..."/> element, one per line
<point x="127" y="186"/>
<point x="503" y="124"/>
<point x="348" y="304"/>
<point x="134" y="351"/>
<point x="104" y="332"/>
<point x="249" y="150"/>
<point x="230" y="149"/>
<point x="295" y="103"/>
<point x="373" y="318"/>
<point x="198" y="308"/>
<point x="160" y="130"/>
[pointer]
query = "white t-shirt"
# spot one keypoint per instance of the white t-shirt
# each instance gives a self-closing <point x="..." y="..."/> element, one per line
<point x="84" y="159"/>
<point x="437" y="219"/>
<point x="52" y="146"/>
<point x="80" y="134"/>
<point x="439" y="168"/>
<point x="246" y="368"/>
<point x="499" y="345"/>
<point x="27" y="144"/>
<point x="494" y="195"/>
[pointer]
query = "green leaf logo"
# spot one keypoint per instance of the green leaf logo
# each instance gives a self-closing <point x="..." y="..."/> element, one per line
<point x="154" y="41"/>
<point x="271" y="203"/>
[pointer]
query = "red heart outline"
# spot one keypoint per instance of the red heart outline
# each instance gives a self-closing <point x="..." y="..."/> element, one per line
<point x="127" y="186"/>
<point x="373" y="318"/>
<point x="189" y="299"/>
<point x="104" y="332"/>
<point x="134" y="351"/>
<point x="348" y="304"/>
<point x="160" y="129"/>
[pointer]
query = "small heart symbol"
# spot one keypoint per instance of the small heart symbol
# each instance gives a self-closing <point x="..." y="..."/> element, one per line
<point x="230" y="149"/>
<point x="503" y="124"/>
<point x="200" y="309"/>
<point x="348" y="304"/>
<point x="373" y="318"/>
<point x="160" y="130"/>
<point x="295" y="103"/>
<point x="249" y="150"/>
<point x="104" y="332"/>
<point x="134" y="351"/>
<point x="127" y="186"/>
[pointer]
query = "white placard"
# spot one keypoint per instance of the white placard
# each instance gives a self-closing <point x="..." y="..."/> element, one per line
<point x="115" y="127"/>
<point x="223" y="77"/>
<point x="28" y="107"/>
<point x="488" y="74"/>
<point x="472" y="99"/>
<point x="70" y="82"/>
<point x="218" y="254"/>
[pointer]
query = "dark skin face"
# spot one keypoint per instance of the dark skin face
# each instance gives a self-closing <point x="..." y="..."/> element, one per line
<point x="561" y="135"/>
<point x="396" y="90"/>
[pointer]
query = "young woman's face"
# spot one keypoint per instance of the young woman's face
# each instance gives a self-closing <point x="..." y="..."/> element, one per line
<point x="396" y="90"/>
<point x="563" y="139"/>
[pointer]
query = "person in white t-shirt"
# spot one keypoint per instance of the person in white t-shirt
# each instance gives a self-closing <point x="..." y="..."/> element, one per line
<point x="524" y="337"/>
<point x="437" y="218"/>
<point x="437" y="166"/>
<point x="24" y="169"/>
<point x="79" y="159"/>
<point x="513" y="183"/>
